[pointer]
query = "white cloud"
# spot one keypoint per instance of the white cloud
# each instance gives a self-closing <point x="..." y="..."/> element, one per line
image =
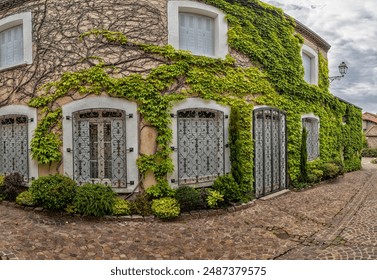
<point x="350" y="28"/>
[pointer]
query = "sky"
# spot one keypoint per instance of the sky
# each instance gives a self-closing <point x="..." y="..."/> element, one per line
<point x="350" y="27"/>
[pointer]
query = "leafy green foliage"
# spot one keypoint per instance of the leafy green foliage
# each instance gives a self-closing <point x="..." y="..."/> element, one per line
<point x="304" y="157"/>
<point x="214" y="198"/>
<point x="121" y="207"/>
<point x="13" y="185"/>
<point x="161" y="189"/>
<point x="228" y="187"/>
<point x="330" y="170"/>
<point x="25" y="198"/>
<point x="369" y="152"/>
<point x="141" y="205"/>
<point x="189" y="198"/>
<point x="165" y="208"/>
<point x="315" y="176"/>
<point x="94" y="200"/>
<point x="53" y="191"/>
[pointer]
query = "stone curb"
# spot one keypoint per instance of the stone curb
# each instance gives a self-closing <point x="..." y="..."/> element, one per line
<point x="205" y="213"/>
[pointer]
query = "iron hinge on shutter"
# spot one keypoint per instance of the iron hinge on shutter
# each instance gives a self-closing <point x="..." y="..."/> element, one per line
<point x="67" y="118"/>
<point x="130" y="150"/>
<point x="173" y="148"/>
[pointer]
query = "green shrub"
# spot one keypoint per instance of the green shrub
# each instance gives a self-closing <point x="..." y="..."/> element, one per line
<point x="94" y="200"/>
<point x="25" y="198"/>
<point x="1" y="181"/>
<point x="165" y="208"/>
<point x="14" y="184"/>
<point x="161" y="189"/>
<point x="315" y="176"/>
<point x="303" y="157"/>
<point x="214" y="198"/>
<point x="141" y="205"/>
<point x="53" y="192"/>
<point x="330" y="170"/>
<point x="369" y="152"/>
<point x="299" y="184"/>
<point x="71" y="209"/>
<point x="228" y="187"/>
<point x="189" y="198"/>
<point x="121" y="207"/>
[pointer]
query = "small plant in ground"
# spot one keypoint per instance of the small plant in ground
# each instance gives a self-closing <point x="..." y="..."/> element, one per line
<point x="25" y="198"/>
<point x="214" y="198"/>
<point x="14" y="184"/>
<point x="189" y="198"/>
<point x="315" y="176"/>
<point x="53" y="192"/>
<point x="165" y="208"/>
<point x="161" y="189"/>
<point x="141" y="205"/>
<point x="121" y="207"/>
<point x="374" y="161"/>
<point x="228" y="187"/>
<point x="94" y="200"/>
<point x="369" y="152"/>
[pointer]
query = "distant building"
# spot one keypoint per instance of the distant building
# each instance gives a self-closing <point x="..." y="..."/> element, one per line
<point x="369" y="120"/>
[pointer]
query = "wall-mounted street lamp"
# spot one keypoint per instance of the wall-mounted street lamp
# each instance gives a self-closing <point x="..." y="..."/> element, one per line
<point x="342" y="70"/>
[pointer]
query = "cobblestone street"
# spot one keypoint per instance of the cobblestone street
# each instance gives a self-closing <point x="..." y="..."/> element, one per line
<point x="334" y="220"/>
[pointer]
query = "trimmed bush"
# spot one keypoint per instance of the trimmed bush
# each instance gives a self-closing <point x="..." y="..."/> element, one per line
<point x="121" y="207"/>
<point x="141" y="205"/>
<point x="53" y="192"/>
<point x="94" y="200"/>
<point x="228" y="187"/>
<point x="369" y="152"/>
<point x="330" y="170"/>
<point x="161" y="189"/>
<point x="214" y="198"/>
<point x="315" y="176"/>
<point x="13" y="185"/>
<point x="25" y="198"/>
<point x="189" y="198"/>
<point x="165" y="208"/>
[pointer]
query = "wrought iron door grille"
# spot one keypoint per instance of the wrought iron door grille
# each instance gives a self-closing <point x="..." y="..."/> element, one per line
<point x="270" y="151"/>
<point x="14" y="155"/>
<point x="100" y="147"/>
<point x="312" y="140"/>
<point x="200" y="145"/>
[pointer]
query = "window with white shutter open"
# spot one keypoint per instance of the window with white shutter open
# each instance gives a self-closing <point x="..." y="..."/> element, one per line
<point x="11" y="47"/>
<point x="196" y="33"/>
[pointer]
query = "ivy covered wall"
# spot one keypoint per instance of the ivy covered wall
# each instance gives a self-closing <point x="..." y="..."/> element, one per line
<point x="275" y="78"/>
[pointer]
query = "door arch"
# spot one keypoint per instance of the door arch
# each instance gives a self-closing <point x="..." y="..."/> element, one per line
<point x="270" y="150"/>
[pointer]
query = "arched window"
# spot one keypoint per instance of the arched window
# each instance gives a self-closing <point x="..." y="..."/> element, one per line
<point x="15" y="40"/>
<point x="100" y="142"/>
<point x="311" y="123"/>
<point x="200" y="135"/>
<point x="197" y="27"/>
<point x="17" y="123"/>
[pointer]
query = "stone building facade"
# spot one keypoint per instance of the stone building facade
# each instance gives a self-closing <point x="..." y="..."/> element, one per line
<point x="103" y="136"/>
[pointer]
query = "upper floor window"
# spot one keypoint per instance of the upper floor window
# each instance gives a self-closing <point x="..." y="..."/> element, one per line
<point x="197" y="27"/>
<point x="15" y="40"/>
<point x="310" y="63"/>
<point x="311" y="124"/>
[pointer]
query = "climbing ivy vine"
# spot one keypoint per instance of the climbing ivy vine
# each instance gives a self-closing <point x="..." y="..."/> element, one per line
<point x="258" y="30"/>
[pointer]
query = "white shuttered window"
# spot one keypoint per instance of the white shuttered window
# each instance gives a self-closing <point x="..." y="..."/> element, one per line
<point x="307" y="62"/>
<point x="11" y="47"/>
<point x="196" y="33"/>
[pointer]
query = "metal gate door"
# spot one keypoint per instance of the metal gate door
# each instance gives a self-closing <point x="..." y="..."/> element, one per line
<point x="270" y="151"/>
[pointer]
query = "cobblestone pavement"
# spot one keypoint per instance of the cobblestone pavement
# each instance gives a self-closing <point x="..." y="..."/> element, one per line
<point x="334" y="220"/>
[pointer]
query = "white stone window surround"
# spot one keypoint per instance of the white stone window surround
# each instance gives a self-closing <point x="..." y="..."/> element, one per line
<point x="313" y="63"/>
<point x="220" y="24"/>
<point x="313" y="117"/>
<point x="203" y="104"/>
<point x="31" y="114"/>
<point x="132" y="134"/>
<point x="24" y="19"/>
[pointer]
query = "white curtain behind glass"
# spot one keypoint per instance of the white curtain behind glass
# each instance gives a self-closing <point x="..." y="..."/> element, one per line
<point x="11" y="47"/>
<point x="307" y="61"/>
<point x="196" y="33"/>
